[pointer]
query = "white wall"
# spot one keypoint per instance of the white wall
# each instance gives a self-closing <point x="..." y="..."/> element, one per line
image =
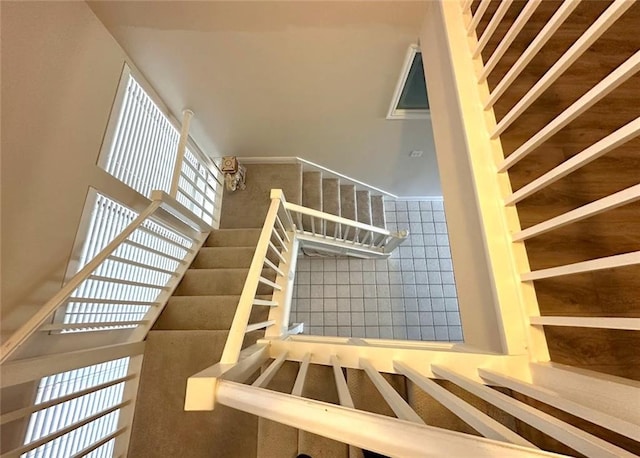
<point x="60" y="71"/>
<point x="473" y="278"/>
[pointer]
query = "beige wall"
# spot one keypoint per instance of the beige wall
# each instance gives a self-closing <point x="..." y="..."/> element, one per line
<point x="473" y="279"/>
<point x="60" y="71"/>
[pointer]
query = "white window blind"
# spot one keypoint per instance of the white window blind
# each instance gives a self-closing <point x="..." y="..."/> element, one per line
<point x="143" y="150"/>
<point x="101" y="388"/>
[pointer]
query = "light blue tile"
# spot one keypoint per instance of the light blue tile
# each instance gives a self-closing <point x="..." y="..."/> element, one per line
<point x="448" y="278"/>
<point x="372" y="332"/>
<point x="355" y="265"/>
<point x="357" y="318"/>
<point x="384" y="304"/>
<point x="394" y="265"/>
<point x="437" y="304"/>
<point x="369" y="290"/>
<point x="401" y="205"/>
<point x="368" y="265"/>
<point x="431" y="239"/>
<point x="344" y="319"/>
<point x="442" y="240"/>
<point x="389" y="206"/>
<point x="369" y="278"/>
<point x="384" y="319"/>
<point x="437" y="205"/>
<point x="357" y="331"/>
<point x="453" y="318"/>
<point x="449" y="291"/>
<point x="395" y="278"/>
<point x="355" y="278"/>
<point x="399" y="318"/>
<point x="420" y="265"/>
<point x="446" y="264"/>
<point x="303" y="278"/>
<point x="413" y="205"/>
<point x="408" y="278"/>
<point x="413" y="333"/>
<point x="315" y="330"/>
<point x="344" y="331"/>
<point x="342" y="278"/>
<point x="357" y="304"/>
<point x="402" y="217"/>
<point x="303" y="305"/>
<point x="444" y="252"/>
<point x="406" y="252"/>
<point x="342" y="265"/>
<point x="396" y="290"/>
<point x="418" y="252"/>
<point x="424" y="304"/>
<point x="303" y="265"/>
<point x="428" y="332"/>
<point x="317" y="265"/>
<point x="426" y="319"/>
<point x="414" y="217"/>
<point x="383" y="290"/>
<point x="451" y="304"/>
<point x="370" y="319"/>
<point x="425" y="205"/>
<point x="344" y="305"/>
<point x="439" y="318"/>
<point x="397" y="304"/>
<point x="431" y="252"/>
<point x="441" y="228"/>
<point x="411" y="304"/>
<point x="407" y="265"/>
<point x="422" y="278"/>
<point x="423" y="291"/>
<point x="455" y="334"/>
<point x="386" y="332"/>
<point x="410" y="291"/>
<point x="428" y="228"/>
<point x="417" y="239"/>
<point x="382" y="278"/>
<point x="442" y="333"/>
<point x="356" y="291"/>
<point x="317" y="278"/>
<point x="400" y="332"/>
<point x="438" y="216"/>
<point x="427" y="216"/>
<point x="413" y="318"/>
<point x="371" y="305"/>
<point x="381" y="265"/>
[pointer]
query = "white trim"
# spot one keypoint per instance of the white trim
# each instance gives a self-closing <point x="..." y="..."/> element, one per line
<point x="306" y="165"/>
<point x="394" y="112"/>
<point x="417" y="198"/>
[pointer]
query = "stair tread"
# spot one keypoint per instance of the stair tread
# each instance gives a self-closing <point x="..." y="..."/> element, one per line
<point x="204" y="313"/>
<point x="198" y="282"/>
<point x="233" y="238"/>
<point x="377" y="212"/>
<point x="219" y="257"/>
<point x="367" y="397"/>
<point x="348" y="201"/>
<point x="363" y="203"/>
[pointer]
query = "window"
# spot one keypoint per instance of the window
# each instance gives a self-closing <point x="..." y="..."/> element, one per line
<point x="410" y="100"/>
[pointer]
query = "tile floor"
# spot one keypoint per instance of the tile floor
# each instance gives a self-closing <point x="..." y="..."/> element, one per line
<point x="411" y="295"/>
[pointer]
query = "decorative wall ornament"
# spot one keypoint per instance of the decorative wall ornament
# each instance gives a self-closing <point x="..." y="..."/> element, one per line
<point x="234" y="173"/>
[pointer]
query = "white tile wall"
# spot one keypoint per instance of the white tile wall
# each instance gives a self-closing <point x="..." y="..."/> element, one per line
<point x="411" y="295"/>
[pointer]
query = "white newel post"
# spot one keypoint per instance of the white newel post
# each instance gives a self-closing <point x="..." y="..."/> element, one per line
<point x="182" y="147"/>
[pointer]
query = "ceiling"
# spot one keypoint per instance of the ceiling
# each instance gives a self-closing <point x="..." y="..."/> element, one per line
<point x="307" y="79"/>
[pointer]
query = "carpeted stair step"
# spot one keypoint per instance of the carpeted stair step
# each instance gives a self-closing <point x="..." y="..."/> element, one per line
<point x="205" y="312"/>
<point x="219" y="282"/>
<point x="233" y="237"/>
<point x="320" y="385"/>
<point x="377" y="212"/>
<point x="348" y="208"/>
<point x="161" y="428"/>
<point x="276" y="440"/>
<point x="248" y="207"/>
<point x="331" y="201"/>
<point x="311" y="195"/>
<point x="223" y="257"/>
<point x="363" y="204"/>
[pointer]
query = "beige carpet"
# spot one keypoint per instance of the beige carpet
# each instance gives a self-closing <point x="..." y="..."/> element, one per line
<point x="248" y="208"/>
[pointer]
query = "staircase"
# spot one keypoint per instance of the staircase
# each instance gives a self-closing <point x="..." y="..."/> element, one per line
<point x="331" y="196"/>
<point x="190" y="334"/>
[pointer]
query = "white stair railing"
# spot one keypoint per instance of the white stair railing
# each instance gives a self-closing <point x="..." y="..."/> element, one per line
<point x="342" y="236"/>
